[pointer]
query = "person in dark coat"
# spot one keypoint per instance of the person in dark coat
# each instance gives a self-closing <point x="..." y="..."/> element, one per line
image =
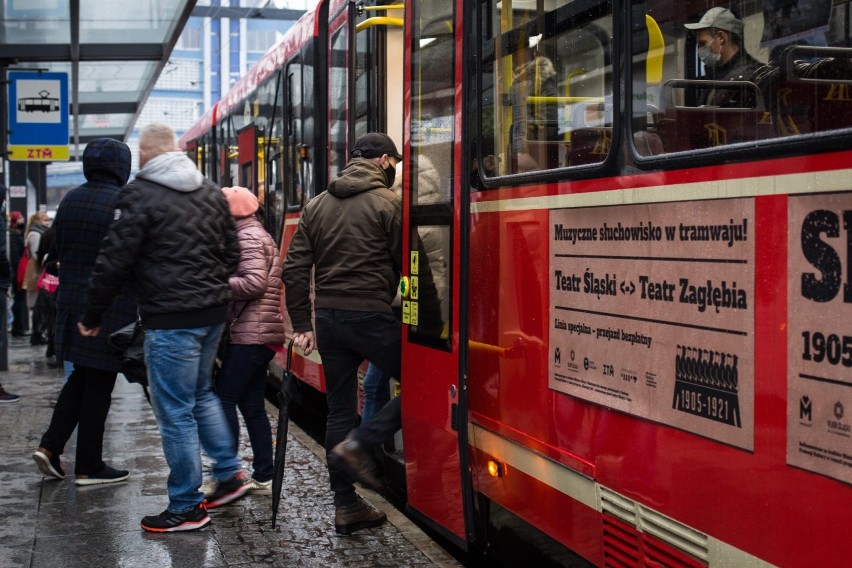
<point x="5" y="281"/>
<point x="83" y="218"/>
<point x="46" y="300"/>
<point x="20" y="312"/>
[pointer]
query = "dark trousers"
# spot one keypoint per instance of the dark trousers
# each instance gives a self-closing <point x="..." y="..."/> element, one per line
<point x="83" y="404"/>
<point x="47" y="302"/>
<point x="21" y="313"/>
<point x="345" y="339"/>
<point x="241" y="383"/>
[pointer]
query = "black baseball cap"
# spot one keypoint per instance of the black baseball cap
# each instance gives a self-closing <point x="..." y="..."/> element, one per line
<point x="375" y="145"/>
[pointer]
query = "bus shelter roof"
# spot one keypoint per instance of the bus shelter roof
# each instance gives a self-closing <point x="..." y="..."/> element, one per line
<point x="113" y="53"/>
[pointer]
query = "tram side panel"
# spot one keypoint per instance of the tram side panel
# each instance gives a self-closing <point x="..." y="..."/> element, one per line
<point x="662" y="381"/>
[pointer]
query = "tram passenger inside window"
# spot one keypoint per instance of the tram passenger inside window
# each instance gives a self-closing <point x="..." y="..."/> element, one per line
<point x="534" y="110"/>
<point x="719" y="38"/>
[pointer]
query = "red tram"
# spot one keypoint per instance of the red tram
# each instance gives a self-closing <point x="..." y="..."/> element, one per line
<point x="646" y="357"/>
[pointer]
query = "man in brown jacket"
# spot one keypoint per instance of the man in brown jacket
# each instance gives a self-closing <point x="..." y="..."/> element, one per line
<point x="351" y="236"/>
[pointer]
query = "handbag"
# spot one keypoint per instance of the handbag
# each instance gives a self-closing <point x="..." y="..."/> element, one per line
<point x="22" y="269"/>
<point x="48" y="282"/>
<point x="128" y="343"/>
<point x="224" y="341"/>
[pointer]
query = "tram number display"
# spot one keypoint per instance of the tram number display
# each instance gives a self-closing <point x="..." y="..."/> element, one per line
<point x="819" y="334"/>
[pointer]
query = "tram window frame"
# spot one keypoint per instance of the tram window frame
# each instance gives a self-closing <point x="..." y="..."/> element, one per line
<point x="368" y="84"/>
<point x="273" y="163"/>
<point x="770" y="79"/>
<point x="338" y="142"/>
<point x="540" y="36"/>
<point x="309" y="123"/>
<point x="295" y="134"/>
<point x="430" y="172"/>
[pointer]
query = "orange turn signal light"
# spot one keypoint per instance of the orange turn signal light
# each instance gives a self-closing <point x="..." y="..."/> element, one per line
<point x="495" y="468"/>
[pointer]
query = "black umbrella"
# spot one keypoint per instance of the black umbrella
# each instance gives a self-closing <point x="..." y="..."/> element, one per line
<point x="284" y="395"/>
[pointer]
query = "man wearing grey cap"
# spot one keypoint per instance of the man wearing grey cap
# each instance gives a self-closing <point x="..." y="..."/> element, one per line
<point x="719" y="37"/>
<point x="350" y="236"/>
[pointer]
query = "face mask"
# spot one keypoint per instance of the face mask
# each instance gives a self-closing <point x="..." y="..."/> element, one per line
<point x="390" y="174"/>
<point x="707" y="57"/>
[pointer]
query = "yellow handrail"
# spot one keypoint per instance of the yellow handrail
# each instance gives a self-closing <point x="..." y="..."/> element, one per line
<point x="535" y="99"/>
<point x="379" y="21"/>
<point x="656" y="50"/>
<point x="388" y="7"/>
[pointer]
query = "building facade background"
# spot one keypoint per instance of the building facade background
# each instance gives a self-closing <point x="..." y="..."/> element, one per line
<point x="213" y="51"/>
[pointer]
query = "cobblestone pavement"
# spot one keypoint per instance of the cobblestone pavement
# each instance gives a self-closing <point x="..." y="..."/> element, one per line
<point x="55" y="524"/>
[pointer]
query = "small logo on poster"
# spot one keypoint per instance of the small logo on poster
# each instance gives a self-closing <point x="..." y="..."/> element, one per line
<point x="805" y="408"/>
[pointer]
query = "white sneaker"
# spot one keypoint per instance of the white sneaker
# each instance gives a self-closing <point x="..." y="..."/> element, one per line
<point x="260" y="487"/>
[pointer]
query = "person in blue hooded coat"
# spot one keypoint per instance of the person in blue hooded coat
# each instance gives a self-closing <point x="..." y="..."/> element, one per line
<point x="82" y="220"/>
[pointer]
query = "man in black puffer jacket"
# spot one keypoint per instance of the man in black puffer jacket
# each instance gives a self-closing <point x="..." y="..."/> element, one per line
<point x="175" y="241"/>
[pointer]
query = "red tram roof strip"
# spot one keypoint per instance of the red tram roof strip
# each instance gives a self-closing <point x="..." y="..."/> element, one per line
<point x="295" y="37"/>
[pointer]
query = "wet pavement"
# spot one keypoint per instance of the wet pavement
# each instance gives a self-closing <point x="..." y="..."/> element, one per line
<point x="46" y="523"/>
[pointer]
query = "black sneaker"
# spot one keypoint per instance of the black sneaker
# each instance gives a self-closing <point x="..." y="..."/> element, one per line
<point x="194" y="519"/>
<point x="48" y="464"/>
<point x="7" y="396"/>
<point x="106" y="475"/>
<point x="228" y="491"/>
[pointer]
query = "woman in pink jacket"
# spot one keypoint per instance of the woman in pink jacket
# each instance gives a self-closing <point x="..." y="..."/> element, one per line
<point x="256" y="329"/>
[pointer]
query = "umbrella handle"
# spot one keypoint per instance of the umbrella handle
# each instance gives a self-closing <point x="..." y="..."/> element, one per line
<point x="289" y="354"/>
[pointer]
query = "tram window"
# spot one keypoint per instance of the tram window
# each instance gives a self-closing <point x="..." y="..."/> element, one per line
<point x="228" y="153"/>
<point x="431" y="169"/>
<point x="367" y="84"/>
<point x="546" y="84"/>
<point x="273" y="157"/>
<point x="295" y="137"/>
<point x="307" y="163"/>
<point x="338" y="79"/>
<point x="782" y="69"/>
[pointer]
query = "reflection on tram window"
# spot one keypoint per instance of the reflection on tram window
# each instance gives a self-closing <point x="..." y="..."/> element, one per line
<point x="546" y="84"/>
<point x="714" y="77"/>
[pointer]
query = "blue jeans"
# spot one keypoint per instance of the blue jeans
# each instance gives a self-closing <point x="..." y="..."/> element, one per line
<point x="345" y="339"/>
<point x="376" y="393"/>
<point x="241" y="383"/>
<point x="189" y="414"/>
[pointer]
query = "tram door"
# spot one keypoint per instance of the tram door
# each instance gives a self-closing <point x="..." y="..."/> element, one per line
<point x="247" y="158"/>
<point x="433" y="411"/>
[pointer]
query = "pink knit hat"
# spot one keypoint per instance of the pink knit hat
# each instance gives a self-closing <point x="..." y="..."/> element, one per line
<point x="243" y="202"/>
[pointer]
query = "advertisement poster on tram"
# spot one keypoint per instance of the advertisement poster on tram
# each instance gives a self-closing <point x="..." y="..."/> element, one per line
<point x="819" y="344"/>
<point x="652" y="312"/>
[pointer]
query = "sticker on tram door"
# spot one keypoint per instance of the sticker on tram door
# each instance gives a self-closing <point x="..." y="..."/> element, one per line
<point x="415" y="262"/>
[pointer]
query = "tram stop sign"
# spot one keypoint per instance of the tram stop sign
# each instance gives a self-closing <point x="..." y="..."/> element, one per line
<point x="38" y="116"/>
